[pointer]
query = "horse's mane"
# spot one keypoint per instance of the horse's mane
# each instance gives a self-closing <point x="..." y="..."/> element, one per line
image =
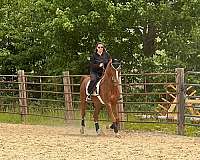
<point x="107" y="68"/>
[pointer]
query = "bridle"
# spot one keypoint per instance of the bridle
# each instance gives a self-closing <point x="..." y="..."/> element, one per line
<point x="117" y="67"/>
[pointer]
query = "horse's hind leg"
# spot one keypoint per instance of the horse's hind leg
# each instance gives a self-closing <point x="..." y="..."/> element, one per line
<point x="83" y="107"/>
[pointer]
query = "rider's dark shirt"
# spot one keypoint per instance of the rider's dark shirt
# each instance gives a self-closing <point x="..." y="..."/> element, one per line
<point x="96" y="59"/>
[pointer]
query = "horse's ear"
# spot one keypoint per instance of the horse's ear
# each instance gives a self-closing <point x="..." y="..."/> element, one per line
<point x="110" y="61"/>
<point x="116" y="63"/>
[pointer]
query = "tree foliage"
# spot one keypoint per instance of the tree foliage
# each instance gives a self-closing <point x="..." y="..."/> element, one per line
<point x="51" y="36"/>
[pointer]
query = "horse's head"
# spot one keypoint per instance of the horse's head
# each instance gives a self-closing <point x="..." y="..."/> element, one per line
<point x="113" y="70"/>
<point x="116" y="64"/>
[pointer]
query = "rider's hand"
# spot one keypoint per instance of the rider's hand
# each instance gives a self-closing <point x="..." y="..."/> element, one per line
<point x="101" y="65"/>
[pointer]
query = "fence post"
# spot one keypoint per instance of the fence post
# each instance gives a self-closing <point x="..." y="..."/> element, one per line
<point x="120" y="105"/>
<point x="22" y="95"/>
<point x="181" y="101"/>
<point x="69" y="114"/>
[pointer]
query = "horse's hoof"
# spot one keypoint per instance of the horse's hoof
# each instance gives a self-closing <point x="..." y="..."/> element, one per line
<point x="109" y="126"/>
<point x="82" y="130"/>
<point x="100" y="132"/>
<point x="117" y="135"/>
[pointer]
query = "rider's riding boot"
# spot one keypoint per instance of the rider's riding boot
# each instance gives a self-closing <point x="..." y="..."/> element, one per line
<point x="94" y="93"/>
<point x="88" y="98"/>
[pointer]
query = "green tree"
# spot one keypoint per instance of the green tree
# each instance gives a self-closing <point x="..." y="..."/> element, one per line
<point x="51" y="36"/>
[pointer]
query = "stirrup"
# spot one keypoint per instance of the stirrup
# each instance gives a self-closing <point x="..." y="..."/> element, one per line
<point x="88" y="98"/>
<point x="94" y="93"/>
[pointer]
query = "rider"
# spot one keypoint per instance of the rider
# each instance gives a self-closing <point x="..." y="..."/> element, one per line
<point x="98" y="62"/>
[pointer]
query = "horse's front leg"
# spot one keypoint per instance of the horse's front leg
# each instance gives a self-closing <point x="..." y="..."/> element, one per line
<point x="96" y="118"/>
<point x="116" y="114"/>
<point x="115" y="121"/>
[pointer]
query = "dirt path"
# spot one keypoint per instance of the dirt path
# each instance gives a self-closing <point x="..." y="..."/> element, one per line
<point x="28" y="142"/>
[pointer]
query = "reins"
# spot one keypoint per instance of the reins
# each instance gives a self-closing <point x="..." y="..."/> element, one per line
<point x="114" y="80"/>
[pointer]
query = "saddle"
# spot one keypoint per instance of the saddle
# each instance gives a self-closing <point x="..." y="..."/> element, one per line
<point x="96" y="93"/>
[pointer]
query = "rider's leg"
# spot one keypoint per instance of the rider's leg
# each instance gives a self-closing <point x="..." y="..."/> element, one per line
<point x="92" y="84"/>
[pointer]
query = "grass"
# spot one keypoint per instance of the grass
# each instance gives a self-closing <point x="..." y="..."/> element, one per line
<point x="10" y="118"/>
<point x="149" y="127"/>
<point x="32" y="120"/>
<point x="193" y="131"/>
<point x="37" y="120"/>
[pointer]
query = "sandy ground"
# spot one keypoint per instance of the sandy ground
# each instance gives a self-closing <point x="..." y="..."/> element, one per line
<point x="31" y="142"/>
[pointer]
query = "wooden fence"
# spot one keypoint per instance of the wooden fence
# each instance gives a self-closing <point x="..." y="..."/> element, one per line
<point x="146" y="98"/>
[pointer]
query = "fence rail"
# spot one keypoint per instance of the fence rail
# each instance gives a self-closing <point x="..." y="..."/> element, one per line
<point x="145" y="98"/>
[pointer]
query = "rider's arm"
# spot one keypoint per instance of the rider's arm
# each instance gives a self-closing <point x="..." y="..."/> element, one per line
<point x="107" y="59"/>
<point x="95" y="62"/>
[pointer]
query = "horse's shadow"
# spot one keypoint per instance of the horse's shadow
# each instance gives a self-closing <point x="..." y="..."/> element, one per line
<point x="90" y="133"/>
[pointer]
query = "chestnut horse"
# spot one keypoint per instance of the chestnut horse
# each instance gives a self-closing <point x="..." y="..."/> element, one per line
<point x="108" y="94"/>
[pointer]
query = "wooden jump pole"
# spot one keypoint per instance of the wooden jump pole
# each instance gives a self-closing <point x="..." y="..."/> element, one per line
<point x="22" y="95"/>
<point x="69" y="113"/>
<point x="181" y="101"/>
